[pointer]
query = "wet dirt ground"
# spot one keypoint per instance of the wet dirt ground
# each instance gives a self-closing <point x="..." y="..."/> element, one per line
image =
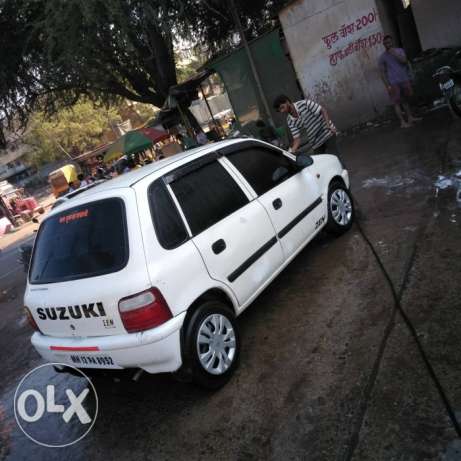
<point x="328" y="370"/>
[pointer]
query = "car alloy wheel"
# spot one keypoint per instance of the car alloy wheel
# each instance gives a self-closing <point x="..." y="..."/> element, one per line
<point x="341" y="207"/>
<point x="211" y="344"/>
<point x="216" y="344"/>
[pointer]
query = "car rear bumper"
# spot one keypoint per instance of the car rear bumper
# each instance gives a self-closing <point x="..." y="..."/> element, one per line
<point x="155" y="351"/>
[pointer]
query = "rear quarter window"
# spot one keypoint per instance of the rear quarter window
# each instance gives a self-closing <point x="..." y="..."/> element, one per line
<point x="168" y="224"/>
<point x="80" y="242"/>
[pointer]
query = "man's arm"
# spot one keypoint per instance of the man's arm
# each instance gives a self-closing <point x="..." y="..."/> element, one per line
<point x="383" y="73"/>
<point x="328" y="120"/>
<point x="296" y="135"/>
<point x="399" y="54"/>
<point x="296" y="143"/>
<point x="385" y="80"/>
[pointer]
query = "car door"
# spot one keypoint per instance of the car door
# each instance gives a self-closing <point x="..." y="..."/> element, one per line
<point x="291" y="196"/>
<point x="233" y="233"/>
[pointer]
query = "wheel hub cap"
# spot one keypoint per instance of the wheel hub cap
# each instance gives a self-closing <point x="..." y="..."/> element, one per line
<point x="216" y="344"/>
<point x="341" y="207"/>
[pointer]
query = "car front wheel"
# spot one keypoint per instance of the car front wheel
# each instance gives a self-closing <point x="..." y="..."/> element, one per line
<point x="211" y="345"/>
<point x="340" y="209"/>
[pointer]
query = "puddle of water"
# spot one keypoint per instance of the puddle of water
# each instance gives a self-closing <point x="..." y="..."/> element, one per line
<point x="443" y="182"/>
<point x="388" y="181"/>
<point x="447" y="182"/>
<point x="413" y="182"/>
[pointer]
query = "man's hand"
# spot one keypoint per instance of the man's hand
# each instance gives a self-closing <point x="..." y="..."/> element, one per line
<point x="296" y="142"/>
<point x="398" y="55"/>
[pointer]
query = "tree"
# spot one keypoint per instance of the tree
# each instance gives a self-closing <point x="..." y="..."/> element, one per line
<point x="210" y="22"/>
<point x="74" y="130"/>
<point x="54" y="52"/>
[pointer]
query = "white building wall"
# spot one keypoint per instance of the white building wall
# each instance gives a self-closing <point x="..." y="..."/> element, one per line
<point x="335" y="45"/>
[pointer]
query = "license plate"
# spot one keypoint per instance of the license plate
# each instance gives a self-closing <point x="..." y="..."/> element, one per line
<point x="447" y="85"/>
<point x="91" y="361"/>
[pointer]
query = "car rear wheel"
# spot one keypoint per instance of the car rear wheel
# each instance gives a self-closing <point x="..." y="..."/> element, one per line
<point x="340" y="209"/>
<point x="211" y="345"/>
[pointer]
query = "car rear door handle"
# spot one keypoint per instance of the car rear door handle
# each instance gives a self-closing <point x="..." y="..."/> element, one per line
<point x="219" y="246"/>
<point x="277" y="203"/>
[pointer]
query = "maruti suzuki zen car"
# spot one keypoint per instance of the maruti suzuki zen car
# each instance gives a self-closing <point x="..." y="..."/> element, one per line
<point x="150" y="270"/>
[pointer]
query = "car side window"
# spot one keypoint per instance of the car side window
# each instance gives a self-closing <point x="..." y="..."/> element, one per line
<point x="168" y="224"/>
<point x="262" y="168"/>
<point x="207" y="195"/>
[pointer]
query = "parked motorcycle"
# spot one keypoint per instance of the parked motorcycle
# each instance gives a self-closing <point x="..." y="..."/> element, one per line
<point x="449" y="81"/>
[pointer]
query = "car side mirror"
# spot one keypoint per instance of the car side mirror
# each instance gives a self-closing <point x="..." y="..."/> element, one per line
<point x="280" y="173"/>
<point x="303" y="160"/>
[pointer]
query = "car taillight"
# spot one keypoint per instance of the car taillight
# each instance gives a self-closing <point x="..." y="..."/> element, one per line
<point x="144" y="310"/>
<point x="30" y="319"/>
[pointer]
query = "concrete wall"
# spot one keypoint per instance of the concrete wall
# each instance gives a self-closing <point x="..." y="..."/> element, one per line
<point x="336" y="66"/>
<point x="438" y="22"/>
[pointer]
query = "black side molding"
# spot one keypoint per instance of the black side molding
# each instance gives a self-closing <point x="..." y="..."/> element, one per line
<point x="299" y="218"/>
<point x="251" y="260"/>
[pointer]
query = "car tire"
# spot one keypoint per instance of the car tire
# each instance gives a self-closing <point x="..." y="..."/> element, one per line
<point x="341" y="212"/>
<point x="211" y="345"/>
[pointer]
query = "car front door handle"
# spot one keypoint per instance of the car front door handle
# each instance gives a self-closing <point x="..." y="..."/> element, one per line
<point x="277" y="203"/>
<point x="219" y="246"/>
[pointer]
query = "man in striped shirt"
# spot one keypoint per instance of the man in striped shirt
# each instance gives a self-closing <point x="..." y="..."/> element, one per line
<point x="310" y="119"/>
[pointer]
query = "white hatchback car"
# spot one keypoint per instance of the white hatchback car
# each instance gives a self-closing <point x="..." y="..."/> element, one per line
<point x="150" y="269"/>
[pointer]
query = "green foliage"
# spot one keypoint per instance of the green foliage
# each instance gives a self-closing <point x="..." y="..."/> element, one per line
<point x="188" y="61"/>
<point x="55" y="52"/>
<point x="75" y="130"/>
<point x="210" y="22"/>
<point x="145" y="111"/>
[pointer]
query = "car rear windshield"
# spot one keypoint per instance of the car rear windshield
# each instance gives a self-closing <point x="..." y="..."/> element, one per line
<point x="81" y="242"/>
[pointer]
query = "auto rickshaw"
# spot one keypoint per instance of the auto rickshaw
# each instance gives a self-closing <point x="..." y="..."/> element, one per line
<point x="59" y="179"/>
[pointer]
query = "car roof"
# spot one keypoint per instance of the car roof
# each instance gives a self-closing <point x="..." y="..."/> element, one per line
<point x="128" y="179"/>
<point x="132" y="177"/>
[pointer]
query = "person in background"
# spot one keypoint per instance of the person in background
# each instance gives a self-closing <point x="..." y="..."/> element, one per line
<point x="266" y="133"/>
<point x="213" y="134"/>
<point x="201" y="138"/>
<point x="180" y="140"/>
<point x="310" y="119"/>
<point x="232" y="124"/>
<point x="101" y="169"/>
<point x="395" y="74"/>
<point x="82" y="180"/>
